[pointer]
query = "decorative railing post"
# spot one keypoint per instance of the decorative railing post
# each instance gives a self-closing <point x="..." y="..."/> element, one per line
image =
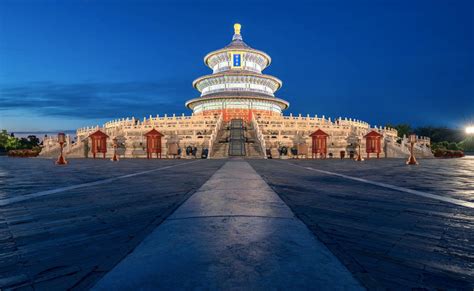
<point x="260" y="136"/>
<point x="214" y="133"/>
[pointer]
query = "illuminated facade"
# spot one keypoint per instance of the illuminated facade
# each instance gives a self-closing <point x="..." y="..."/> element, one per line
<point x="237" y="89"/>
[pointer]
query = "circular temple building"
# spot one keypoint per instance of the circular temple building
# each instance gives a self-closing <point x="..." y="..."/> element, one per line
<point x="237" y="88"/>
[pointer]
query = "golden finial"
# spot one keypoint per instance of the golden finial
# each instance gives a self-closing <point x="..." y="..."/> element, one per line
<point x="237" y="27"/>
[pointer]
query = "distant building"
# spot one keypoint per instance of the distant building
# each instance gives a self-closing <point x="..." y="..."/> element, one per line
<point x="238" y="114"/>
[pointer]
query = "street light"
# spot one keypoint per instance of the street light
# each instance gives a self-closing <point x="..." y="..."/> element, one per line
<point x="412" y="159"/>
<point x="115" y="144"/>
<point x="61" y="140"/>
<point x="359" y="155"/>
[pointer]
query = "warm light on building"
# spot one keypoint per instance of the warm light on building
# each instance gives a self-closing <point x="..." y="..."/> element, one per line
<point x="237" y="90"/>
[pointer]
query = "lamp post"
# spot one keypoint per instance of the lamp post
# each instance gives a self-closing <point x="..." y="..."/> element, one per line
<point x="412" y="159"/>
<point x="359" y="154"/>
<point x="61" y="140"/>
<point x="115" y="144"/>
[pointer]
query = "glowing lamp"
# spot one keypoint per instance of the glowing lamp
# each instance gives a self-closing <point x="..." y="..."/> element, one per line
<point x="61" y="137"/>
<point x="61" y="140"/>
<point x="115" y="145"/>
<point x="412" y="160"/>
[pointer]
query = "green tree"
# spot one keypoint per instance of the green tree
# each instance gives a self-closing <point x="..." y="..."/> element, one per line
<point x="3" y="139"/>
<point x="12" y="143"/>
<point x="34" y="141"/>
<point x="403" y="129"/>
<point x="30" y="142"/>
<point x="440" y="134"/>
<point x="453" y="146"/>
<point x="468" y="144"/>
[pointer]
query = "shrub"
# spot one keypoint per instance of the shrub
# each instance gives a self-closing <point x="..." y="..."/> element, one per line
<point x="26" y="153"/>
<point x="443" y="153"/>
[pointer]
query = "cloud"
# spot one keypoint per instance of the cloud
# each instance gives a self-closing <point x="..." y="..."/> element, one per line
<point x="96" y="100"/>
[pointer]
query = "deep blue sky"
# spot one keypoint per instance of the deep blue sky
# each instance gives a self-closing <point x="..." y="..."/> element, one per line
<point x="67" y="65"/>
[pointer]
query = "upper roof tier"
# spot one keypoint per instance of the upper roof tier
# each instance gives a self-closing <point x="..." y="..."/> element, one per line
<point x="252" y="59"/>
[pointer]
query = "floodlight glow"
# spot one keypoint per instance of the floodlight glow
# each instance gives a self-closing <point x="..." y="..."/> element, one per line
<point x="470" y="130"/>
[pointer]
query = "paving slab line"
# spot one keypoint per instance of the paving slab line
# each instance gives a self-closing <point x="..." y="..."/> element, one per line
<point x="8" y="201"/>
<point x="393" y="187"/>
<point x="233" y="233"/>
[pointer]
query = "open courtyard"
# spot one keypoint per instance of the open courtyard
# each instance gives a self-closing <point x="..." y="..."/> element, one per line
<point x="218" y="224"/>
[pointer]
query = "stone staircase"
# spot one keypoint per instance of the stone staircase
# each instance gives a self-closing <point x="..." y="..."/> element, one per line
<point x="252" y="146"/>
<point x="220" y="149"/>
<point x="221" y="145"/>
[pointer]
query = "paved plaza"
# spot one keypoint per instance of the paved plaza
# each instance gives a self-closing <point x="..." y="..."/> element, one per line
<point x="236" y="224"/>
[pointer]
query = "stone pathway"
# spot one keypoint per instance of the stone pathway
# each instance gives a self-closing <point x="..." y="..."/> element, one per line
<point x="388" y="237"/>
<point x="234" y="232"/>
<point x="70" y="239"/>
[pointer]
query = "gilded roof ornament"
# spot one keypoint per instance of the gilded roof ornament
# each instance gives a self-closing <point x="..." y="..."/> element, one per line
<point x="237" y="27"/>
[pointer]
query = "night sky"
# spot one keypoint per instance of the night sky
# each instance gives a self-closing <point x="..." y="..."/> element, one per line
<point x="81" y="63"/>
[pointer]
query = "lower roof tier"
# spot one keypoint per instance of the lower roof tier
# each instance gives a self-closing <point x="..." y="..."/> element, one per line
<point x="238" y="101"/>
<point x="206" y="84"/>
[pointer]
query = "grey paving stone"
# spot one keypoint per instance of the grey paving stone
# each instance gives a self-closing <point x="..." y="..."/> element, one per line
<point x="71" y="238"/>
<point x="396" y="238"/>
<point x="231" y="238"/>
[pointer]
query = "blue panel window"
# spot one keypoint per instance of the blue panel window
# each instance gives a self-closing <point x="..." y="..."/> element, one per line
<point x="237" y="60"/>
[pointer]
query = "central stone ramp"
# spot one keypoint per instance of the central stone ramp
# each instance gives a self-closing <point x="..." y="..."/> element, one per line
<point x="233" y="233"/>
<point x="237" y="138"/>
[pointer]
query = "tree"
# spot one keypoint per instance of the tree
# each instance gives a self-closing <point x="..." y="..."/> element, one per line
<point x="12" y="143"/>
<point x="468" y="144"/>
<point x="439" y="134"/>
<point x="3" y="139"/>
<point x="403" y="129"/>
<point x="34" y="141"/>
<point x="453" y="146"/>
<point x="30" y="142"/>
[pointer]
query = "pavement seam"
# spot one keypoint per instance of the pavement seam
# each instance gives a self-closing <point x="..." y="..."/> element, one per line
<point x="152" y="243"/>
<point x="393" y="187"/>
<point x="8" y="201"/>
<point x="230" y="216"/>
<point x="149" y="228"/>
<point x="354" y="267"/>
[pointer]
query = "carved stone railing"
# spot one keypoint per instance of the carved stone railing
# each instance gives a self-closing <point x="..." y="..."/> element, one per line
<point x="260" y="136"/>
<point x="214" y="134"/>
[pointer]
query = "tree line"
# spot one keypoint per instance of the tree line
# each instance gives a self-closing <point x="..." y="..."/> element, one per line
<point x="8" y="142"/>
<point x="441" y="137"/>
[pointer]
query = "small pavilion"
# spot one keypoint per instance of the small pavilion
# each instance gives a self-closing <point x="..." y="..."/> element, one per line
<point x="153" y="143"/>
<point x="373" y="143"/>
<point x="319" y="143"/>
<point x="99" y="143"/>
